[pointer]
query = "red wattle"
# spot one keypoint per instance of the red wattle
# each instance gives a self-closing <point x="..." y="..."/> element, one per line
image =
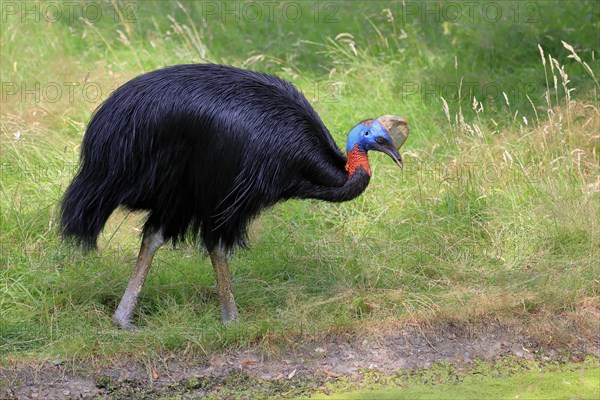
<point x="357" y="159"/>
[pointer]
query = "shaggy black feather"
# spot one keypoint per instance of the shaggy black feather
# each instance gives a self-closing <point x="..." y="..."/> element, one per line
<point x="204" y="148"/>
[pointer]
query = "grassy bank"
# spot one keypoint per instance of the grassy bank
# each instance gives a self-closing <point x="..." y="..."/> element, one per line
<point x="536" y="383"/>
<point x="494" y="217"/>
<point x="506" y="379"/>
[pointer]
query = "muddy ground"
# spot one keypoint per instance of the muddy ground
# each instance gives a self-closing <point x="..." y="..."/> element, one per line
<point x="300" y="370"/>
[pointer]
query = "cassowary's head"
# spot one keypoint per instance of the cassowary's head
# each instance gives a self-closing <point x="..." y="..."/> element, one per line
<point x="386" y="134"/>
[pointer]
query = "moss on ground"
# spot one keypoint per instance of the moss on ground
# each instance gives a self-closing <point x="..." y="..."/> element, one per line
<point x="507" y="378"/>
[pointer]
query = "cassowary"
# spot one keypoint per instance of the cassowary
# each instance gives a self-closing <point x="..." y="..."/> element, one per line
<point x="204" y="148"/>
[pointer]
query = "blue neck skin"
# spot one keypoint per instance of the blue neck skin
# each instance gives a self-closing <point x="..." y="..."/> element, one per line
<point x="365" y="136"/>
<point x="356" y="137"/>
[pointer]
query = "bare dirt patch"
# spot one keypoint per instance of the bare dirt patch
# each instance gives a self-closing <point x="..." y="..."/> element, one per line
<point x="301" y="369"/>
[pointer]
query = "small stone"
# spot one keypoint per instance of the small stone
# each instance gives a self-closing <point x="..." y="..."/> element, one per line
<point x="320" y="350"/>
<point x="66" y="392"/>
<point x="34" y="395"/>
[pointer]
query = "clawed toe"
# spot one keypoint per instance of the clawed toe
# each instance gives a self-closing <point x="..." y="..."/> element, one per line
<point x="228" y="321"/>
<point x="125" y="324"/>
<point x="229" y="314"/>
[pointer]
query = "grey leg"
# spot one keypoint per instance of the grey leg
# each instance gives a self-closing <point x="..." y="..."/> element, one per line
<point x="229" y="311"/>
<point x="150" y="243"/>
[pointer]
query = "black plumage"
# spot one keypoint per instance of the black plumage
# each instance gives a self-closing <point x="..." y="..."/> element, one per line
<point x="204" y="148"/>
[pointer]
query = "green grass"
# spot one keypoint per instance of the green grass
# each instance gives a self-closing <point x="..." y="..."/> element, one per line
<point x="531" y="385"/>
<point x="493" y="217"/>
<point x="507" y="378"/>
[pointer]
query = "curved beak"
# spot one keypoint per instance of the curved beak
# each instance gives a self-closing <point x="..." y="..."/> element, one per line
<point x="391" y="151"/>
<point x="398" y="130"/>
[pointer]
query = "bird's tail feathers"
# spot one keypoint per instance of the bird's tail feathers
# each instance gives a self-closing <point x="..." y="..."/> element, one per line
<point x="85" y="208"/>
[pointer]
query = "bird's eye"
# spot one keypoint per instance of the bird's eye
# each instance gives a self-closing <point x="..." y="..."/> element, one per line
<point x="367" y="133"/>
<point x="380" y="140"/>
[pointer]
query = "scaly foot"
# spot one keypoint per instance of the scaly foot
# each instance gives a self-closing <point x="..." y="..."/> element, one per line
<point x="229" y="313"/>
<point x="125" y="323"/>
